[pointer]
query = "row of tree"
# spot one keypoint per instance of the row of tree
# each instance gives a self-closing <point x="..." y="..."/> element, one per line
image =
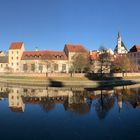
<point x="105" y="63"/>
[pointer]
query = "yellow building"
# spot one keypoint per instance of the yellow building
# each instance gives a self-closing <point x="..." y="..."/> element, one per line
<point x="19" y="60"/>
<point x="15" y="53"/>
<point x="15" y="101"/>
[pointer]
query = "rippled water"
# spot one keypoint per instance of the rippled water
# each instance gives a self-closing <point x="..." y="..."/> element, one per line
<point x="69" y="113"/>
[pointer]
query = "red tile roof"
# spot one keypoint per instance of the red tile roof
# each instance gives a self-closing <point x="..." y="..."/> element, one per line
<point x="135" y="48"/>
<point x="16" y="109"/>
<point x="75" y="48"/>
<point x="94" y="55"/>
<point x="16" y="45"/>
<point x="39" y="55"/>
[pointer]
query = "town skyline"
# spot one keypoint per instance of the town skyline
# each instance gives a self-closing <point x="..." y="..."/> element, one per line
<point x="48" y="25"/>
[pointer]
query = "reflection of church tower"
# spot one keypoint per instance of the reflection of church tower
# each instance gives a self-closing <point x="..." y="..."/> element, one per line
<point x="120" y="47"/>
<point x="120" y="101"/>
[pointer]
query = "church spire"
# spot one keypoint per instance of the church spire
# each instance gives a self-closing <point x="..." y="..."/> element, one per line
<point x="119" y="35"/>
<point x="120" y="47"/>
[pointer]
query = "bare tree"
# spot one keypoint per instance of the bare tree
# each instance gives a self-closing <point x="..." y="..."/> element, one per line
<point x="79" y="63"/>
<point x="122" y="63"/>
<point x="104" y="60"/>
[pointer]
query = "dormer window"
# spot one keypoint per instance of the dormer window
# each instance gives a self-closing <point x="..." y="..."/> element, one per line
<point x="62" y="56"/>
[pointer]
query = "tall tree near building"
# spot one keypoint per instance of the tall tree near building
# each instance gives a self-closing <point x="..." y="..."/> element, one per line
<point x="122" y="63"/>
<point x="79" y="63"/>
<point x="104" y="60"/>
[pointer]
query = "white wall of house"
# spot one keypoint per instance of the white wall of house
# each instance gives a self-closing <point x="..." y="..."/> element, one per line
<point x="3" y="67"/>
<point x="39" y="66"/>
<point x="15" y="99"/>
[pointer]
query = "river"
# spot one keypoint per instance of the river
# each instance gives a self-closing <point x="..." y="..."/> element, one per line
<point x="71" y="113"/>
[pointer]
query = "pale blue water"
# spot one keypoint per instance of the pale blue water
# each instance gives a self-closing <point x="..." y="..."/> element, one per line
<point x="69" y="114"/>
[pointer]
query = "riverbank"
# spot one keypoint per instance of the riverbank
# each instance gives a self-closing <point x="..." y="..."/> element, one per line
<point x="64" y="81"/>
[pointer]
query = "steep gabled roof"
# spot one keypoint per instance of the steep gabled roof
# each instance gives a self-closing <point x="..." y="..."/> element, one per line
<point x="122" y="45"/>
<point x="75" y="48"/>
<point x="16" y="45"/>
<point x="135" y="48"/>
<point x="39" y="55"/>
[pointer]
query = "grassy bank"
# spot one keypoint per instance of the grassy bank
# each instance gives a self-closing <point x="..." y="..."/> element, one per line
<point x="61" y="81"/>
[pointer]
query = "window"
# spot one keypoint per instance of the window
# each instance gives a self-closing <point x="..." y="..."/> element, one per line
<point x="25" y="67"/>
<point x="40" y="67"/>
<point x="1" y="65"/>
<point x="56" y="67"/>
<point x="61" y="56"/>
<point x="12" y="64"/>
<point x="17" y="64"/>
<point x="32" y="67"/>
<point x="48" y="66"/>
<point x="63" y="67"/>
<point x="17" y="52"/>
<point x="17" y="57"/>
<point x="12" y="58"/>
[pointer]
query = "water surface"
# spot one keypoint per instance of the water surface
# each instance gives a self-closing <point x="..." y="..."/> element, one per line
<point x="69" y="113"/>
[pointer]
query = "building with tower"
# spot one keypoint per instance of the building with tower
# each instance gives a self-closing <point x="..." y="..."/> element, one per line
<point x="120" y="47"/>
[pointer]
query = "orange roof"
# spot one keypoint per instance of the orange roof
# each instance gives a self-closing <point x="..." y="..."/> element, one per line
<point x="75" y="48"/>
<point x="16" y="109"/>
<point x="16" y="45"/>
<point x="39" y="55"/>
<point x="138" y="48"/>
<point x="94" y="55"/>
<point x="135" y="48"/>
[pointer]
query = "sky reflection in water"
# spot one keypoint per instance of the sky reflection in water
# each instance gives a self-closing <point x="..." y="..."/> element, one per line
<point x="70" y="113"/>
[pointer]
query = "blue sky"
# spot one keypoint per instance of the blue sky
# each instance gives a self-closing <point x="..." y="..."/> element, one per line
<point x="50" y="24"/>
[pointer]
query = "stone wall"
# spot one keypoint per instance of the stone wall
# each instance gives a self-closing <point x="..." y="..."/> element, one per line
<point x="65" y="74"/>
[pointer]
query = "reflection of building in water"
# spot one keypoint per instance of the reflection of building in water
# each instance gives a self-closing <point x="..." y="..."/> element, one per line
<point x="119" y="99"/>
<point x="78" y="102"/>
<point x="128" y="96"/>
<point x="15" y="101"/>
<point x="3" y="92"/>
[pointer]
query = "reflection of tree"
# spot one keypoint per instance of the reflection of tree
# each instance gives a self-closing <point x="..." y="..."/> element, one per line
<point x="78" y="103"/>
<point x="80" y="109"/>
<point x="104" y="104"/>
<point x="133" y="97"/>
<point x="130" y="96"/>
<point x="47" y="107"/>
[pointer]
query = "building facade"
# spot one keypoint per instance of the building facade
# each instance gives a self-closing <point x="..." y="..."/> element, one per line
<point x="19" y="60"/>
<point x="134" y="55"/>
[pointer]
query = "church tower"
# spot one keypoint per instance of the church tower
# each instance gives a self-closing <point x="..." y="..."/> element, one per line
<point x="120" y="47"/>
<point x="119" y="42"/>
